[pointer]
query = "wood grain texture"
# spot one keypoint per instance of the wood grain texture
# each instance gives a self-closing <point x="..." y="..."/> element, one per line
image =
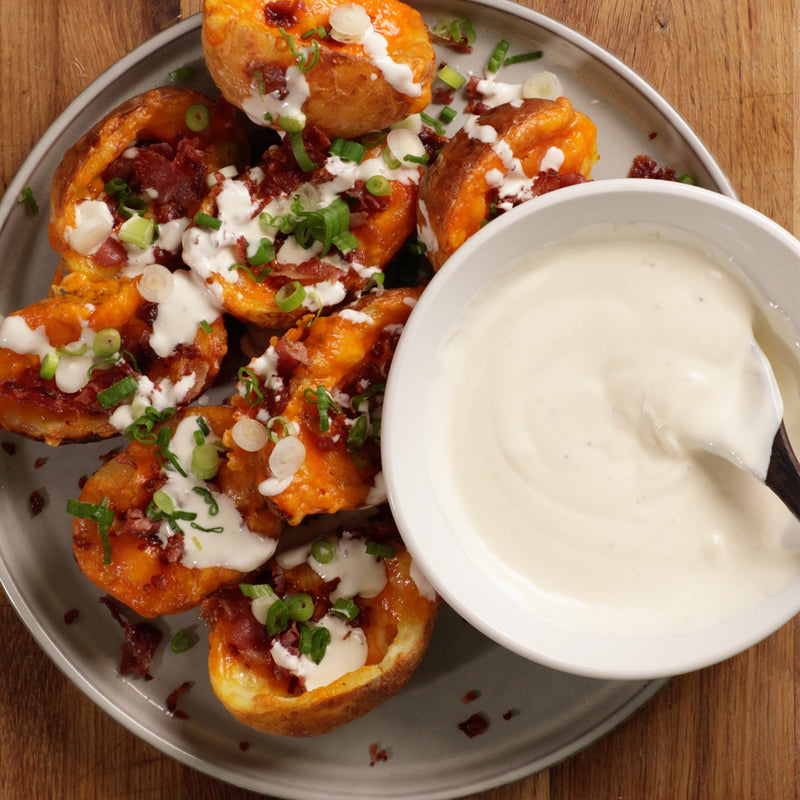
<point x="732" y="69"/>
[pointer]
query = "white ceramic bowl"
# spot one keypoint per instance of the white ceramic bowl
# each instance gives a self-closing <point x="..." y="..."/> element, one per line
<point x="765" y="251"/>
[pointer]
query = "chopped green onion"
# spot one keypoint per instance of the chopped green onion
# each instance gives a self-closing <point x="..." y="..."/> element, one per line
<point x="106" y="343"/>
<point x="345" y="242"/>
<point x="181" y="74"/>
<point x="198" y="117"/>
<point x="254" y="590"/>
<point x="213" y="506"/>
<point x="352" y="151"/>
<point x="304" y="643"/>
<point x="163" y="502"/>
<point x="117" y="392"/>
<point x="205" y="461"/>
<point x="687" y="179"/>
<point x="141" y="429"/>
<point x="323" y="551"/>
<point x="346" y="608"/>
<point x="522" y="57"/>
<point x="381" y="550"/>
<point x="292" y="123"/>
<point x="461" y="29"/>
<point x="299" y="607"/>
<point x="138" y="231"/>
<point x="117" y="187"/>
<point x="455" y="80"/>
<point x="250" y="381"/>
<point x="390" y="159"/>
<point x="370" y="391"/>
<point x="447" y="114"/>
<point x="379" y="185"/>
<point x="100" y="514"/>
<point x="318" y="31"/>
<point x="433" y="123"/>
<point x="277" y="617"/>
<point x="290" y="296"/>
<point x="423" y="159"/>
<point x="131" y="206"/>
<point x="263" y="255"/>
<point x="498" y="56"/>
<point x="26" y="197"/>
<point x="299" y="151"/>
<point x="205" y="326"/>
<point x="207" y="221"/>
<point x="320" y="639"/>
<point x="324" y="224"/>
<point x="304" y="63"/>
<point x="47" y="369"/>
<point x="325" y="405"/>
<point x="180" y="642"/>
<point x="203" y="425"/>
<point x="261" y="84"/>
<point x="357" y="435"/>
<point x="166" y="457"/>
<point x="256" y="277"/>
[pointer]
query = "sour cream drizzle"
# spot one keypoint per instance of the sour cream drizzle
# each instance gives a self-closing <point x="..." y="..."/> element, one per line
<point x="575" y="464"/>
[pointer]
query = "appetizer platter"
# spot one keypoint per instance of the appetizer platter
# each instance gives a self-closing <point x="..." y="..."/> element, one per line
<point x="454" y="713"/>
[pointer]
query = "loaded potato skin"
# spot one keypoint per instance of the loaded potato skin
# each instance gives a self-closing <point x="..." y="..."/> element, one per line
<point x="267" y="680"/>
<point x="161" y="146"/>
<point x="457" y="192"/>
<point x="280" y="57"/>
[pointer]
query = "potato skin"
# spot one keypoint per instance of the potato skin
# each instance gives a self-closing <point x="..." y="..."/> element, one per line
<point x="337" y="353"/>
<point x="158" y="115"/>
<point x="348" y="95"/>
<point x="139" y="574"/>
<point x="33" y="406"/>
<point x="454" y="195"/>
<point x="399" y="627"/>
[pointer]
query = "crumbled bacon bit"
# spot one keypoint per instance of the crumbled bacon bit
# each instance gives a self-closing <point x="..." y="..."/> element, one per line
<point x="172" y="700"/>
<point x="646" y="167"/>
<point x="141" y="642"/>
<point x="512" y="712"/>
<point x="71" y="616"/>
<point x="474" y="725"/>
<point x="377" y="754"/>
<point x="36" y="502"/>
<point x="40" y="462"/>
<point x="472" y="694"/>
<point x="10" y="448"/>
<point x="652" y="135"/>
<point x="244" y="746"/>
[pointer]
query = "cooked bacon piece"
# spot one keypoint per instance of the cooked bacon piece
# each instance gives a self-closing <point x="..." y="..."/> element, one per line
<point x="146" y="143"/>
<point x="396" y="623"/>
<point x="144" y="572"/>
<point x="44" y="407"/>
<point x="457" y="192"/>
<point x="347" y="355"/>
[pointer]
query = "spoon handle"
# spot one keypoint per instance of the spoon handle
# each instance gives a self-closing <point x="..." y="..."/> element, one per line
<point x="783" y="474"/>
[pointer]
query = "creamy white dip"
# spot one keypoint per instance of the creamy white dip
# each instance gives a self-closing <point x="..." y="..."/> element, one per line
<point x="568" y="427"/>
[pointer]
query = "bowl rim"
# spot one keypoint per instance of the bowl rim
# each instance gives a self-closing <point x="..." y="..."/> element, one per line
<point x="475" y="594"/>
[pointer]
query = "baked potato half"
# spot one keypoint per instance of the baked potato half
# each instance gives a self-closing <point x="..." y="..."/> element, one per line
<point x="304" y="647"/>
<point x="279" y="59"/>
<point x="508" y="154"/>
<point x="310" y="407"/>
<point x="279" y="241"/>
<point x="152" y="157"/>
<point x="73" y="365"/>
<point x="155" y="536"/>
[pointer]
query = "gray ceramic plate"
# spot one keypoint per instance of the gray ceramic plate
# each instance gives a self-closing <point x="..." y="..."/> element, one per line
<point x="536" y="716"/>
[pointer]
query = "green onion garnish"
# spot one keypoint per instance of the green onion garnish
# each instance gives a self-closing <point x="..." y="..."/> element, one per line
<point x="304" y="62"/>
<point x="498" y="56"/>
<point x="323" y="551"/>
<point x="180" y="642"/>
<point x="325" y="405"/>
<point x="254" y="590"/>
<point x="106" y="343"/>
<point x="370" y="391"/>
<point x="357" y="435"/>
<point x="379" y="185"/>
<point x="299" y="607"/>
<point x="100" y="514"/>
<point x="290" y="296"/>
<point x="166" y="457"/>
<point x="181" y="74"/>
<point x="352" y="151"/>
<point x="345" y="242"/>
<point x="250" y="381"/>
<point x="381" y="550"/>
<point x="117" y="392"/>
<point x="117" y="187"/>
<point x="205" y="326"/>
<point x="277" y="617"/>
<point x="433" y="123"/>
<point x="423" y="159"/>
<point x="346" y="608"/>
<point x="257" y="277"/>
<point x="205" y="461"/>
<point x="299" y="151"/>
<point x="131" y="206"/>
<point x="447" y="114"/>
<point x="213" y="507"/>
<point x="138" y="231"/>
<point x="263" y="255"/>
<point x="320" y="639"/>
<point x="455" y="80"/>
<point x="26" y="197"/>
<point x="47" y="369"/>
<point x="198" y="117"/>
<point x="687" y="179"/>
<point x="518" y="59"/>
<point x="207" y="221"/>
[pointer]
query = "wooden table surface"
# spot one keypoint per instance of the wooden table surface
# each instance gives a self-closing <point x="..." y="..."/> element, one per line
<point x="732" y="68"/>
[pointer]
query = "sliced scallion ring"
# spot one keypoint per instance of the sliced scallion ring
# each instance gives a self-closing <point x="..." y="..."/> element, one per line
<point x="323" y="551"/>
<point x="198" y="117"/>
<point x="277" y="617"/>
<point x="138" y="231"/>
<point x="379" y="185"/>
<point x="346" y="608"/>
<point x="47" y="368"/>
<point x="299" y="151"/>
<point x="290" y="296"/>
<point x="205" y="461"/>
<point x="106" y="343"/>
<point x="117" y="392"/>
<point x="454" y="79"/>
<point x="299" y="606"/>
